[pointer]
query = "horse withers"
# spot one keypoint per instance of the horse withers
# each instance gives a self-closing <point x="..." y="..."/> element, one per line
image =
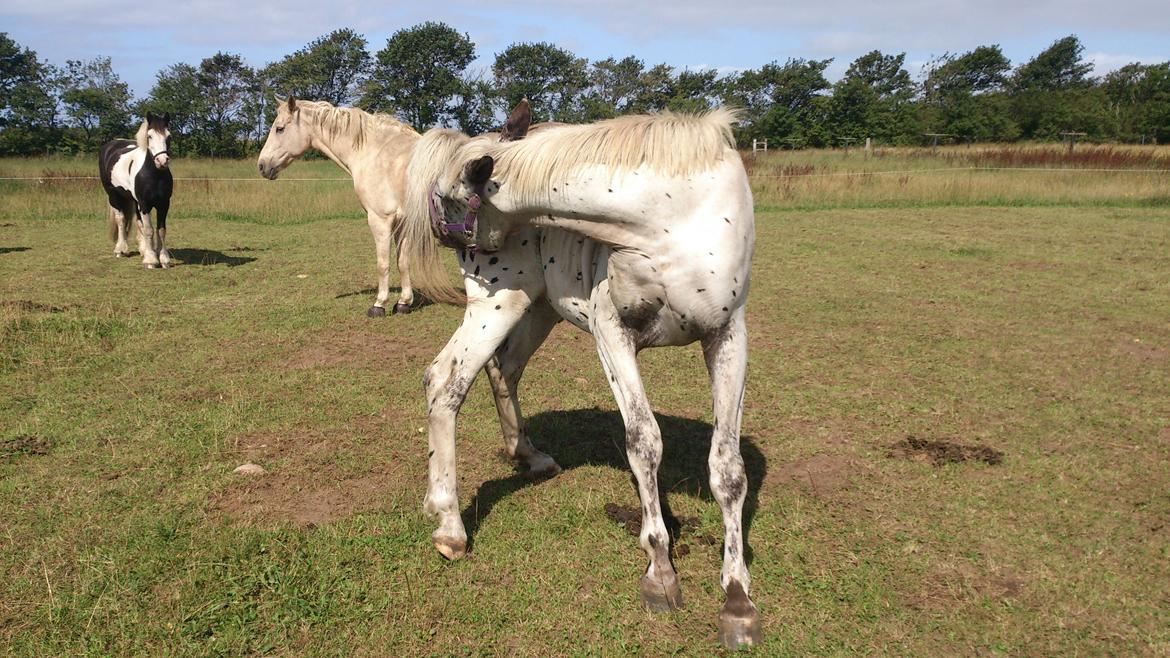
<point x="137" y="179"/>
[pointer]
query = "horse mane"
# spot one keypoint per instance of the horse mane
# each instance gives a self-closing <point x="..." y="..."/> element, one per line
<point x="140" y="136"/>
<point x="353" y="122"/>
<point x="432" y="154"/>
<point x="671" y="144"/>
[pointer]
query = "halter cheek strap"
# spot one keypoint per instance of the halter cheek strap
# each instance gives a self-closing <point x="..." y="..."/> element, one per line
<point x="446" y="231"/>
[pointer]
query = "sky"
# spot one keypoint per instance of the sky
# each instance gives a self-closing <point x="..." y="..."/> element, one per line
<point x="726" y="35"/>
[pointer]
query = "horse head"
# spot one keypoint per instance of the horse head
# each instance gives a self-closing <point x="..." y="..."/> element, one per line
<point x="158" y="138"/>
<point x="287" y="139"/>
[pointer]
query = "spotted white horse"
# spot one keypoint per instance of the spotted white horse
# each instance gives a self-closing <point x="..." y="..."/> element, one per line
<point x="639" y="230"/>
<point x="374" y="150"/>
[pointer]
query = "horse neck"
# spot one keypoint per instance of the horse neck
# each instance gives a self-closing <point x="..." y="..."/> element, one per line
<point x="338" y="148"/>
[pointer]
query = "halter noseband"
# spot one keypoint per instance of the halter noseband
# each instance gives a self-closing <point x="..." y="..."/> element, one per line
<point x="445" y="231"/>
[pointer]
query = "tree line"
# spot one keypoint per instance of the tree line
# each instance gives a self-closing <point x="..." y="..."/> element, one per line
<point x="220" y="106"/>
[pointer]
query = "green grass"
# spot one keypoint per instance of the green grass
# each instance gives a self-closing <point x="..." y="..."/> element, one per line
<point x="128" y="396"/>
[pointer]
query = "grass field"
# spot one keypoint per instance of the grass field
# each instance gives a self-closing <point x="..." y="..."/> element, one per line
<point x="1022" y="312"/>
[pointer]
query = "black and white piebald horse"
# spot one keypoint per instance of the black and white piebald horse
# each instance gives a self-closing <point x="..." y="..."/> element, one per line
<point x="137" y="179"/>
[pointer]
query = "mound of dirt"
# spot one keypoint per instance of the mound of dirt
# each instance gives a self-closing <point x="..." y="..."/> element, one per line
<point x="943" y="452"/>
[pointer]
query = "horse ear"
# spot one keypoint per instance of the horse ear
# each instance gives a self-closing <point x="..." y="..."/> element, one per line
<point x="516" y="127"/>
<point x="280" y="100"/>
<point x="292" y="103"/>
<point x="150" y="116"/>
<point x="479" y="171"/>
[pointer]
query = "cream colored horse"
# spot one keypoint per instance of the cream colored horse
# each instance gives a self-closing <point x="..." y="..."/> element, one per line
<point x="374" y="150"/>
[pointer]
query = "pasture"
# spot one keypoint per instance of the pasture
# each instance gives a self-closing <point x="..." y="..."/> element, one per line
<point x="957" y="429"/>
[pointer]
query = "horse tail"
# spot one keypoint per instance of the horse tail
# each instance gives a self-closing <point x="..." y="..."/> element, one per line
<point x="424" y="254"/>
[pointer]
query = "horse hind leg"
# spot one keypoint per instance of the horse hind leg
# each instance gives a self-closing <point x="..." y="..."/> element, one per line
<point x="659" y="585"/>
<point x="119" y="226"/>
<point x="405" y="290"/>
<point x="504" y="371"/>
<point x="725" y="353"/>
<point x="146" y="240"/>
<point x="380" y="228"/>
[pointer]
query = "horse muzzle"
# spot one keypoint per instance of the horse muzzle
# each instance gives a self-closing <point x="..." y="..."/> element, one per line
<point x="162" y="160"/>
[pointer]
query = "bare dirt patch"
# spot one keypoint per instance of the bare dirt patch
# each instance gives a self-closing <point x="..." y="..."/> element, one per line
<point x="819" y="475"/>
<point x="952" y="585"/>
<point x="24" y="445"/>
<point x="304" y="483"/>
<point x="943" y="452"/>
<point x="30" y="306"/>
<point x="348" y="347"/>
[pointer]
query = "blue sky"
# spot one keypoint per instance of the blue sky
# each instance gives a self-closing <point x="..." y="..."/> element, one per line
<point x="143" y="37"/>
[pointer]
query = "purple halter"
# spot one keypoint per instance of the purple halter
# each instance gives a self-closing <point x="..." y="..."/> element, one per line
<point x="446" y="231"/>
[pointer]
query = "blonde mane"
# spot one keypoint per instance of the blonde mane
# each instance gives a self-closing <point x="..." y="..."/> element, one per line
<point x="433" y="152"/>
<point x="355" y="123"/>
<point x="140" y="136"/>
<point x="671" y="144"/>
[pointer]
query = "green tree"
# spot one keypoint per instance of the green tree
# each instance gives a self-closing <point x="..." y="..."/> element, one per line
<point x="551" y="78"/>
<point x="784" y="103"/>
<point x="963" y="95"/>
<point x="475" y="108"/>
<point x="1052" y="93"/>
<point x="28" y="109"/>
<point x="1060" y="66"/>
<point x="230" y="109"/>
<point x="1139" y="101"/>
<point x="419" y="75"/>
<point x="96" y="102"/>
<point x="874" y="100"/>
<point x="177" y="92"/>
<point x="614" y="86"/>
<point x="330" y="68"/>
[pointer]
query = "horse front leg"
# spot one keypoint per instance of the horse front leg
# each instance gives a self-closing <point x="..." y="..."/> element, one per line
<point x="164" y="256"/>
<point x="615" y="346"/>
<point x="725" y="353"/>
<point x="146" y="239"/>
<point x="486" y="323"/>
<point x="504" y="371"/>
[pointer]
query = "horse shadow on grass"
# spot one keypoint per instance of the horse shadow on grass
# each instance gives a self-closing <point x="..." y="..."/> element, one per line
<point x="593" y="437"/>
<point x="208" y="257"/>
<point x="12" y="250"/>
<point x="420" y="300"/>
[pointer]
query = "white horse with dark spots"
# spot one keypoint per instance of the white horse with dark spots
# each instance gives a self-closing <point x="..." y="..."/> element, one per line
<point x="374" y="150"/>
<point x="137" y="179"/>
<point x="638" y="230"/>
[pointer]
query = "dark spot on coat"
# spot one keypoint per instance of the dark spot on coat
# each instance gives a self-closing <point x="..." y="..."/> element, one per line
<point x="552" y="259"/>
<point x="493" y="261"/>
<point x="476" y="272"/>
<point x="523" y="243"/>
<point x="494" y="279"/>
<point x="497" y="307"/>
<point x="668" y="195"/>
<point x="702" y="290"/>
<point x="727" y="220"/>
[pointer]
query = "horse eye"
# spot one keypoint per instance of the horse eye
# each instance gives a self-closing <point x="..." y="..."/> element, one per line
<point x="279" y="129"/>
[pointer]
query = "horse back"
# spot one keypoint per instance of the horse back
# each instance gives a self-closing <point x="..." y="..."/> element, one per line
<point x="109" y="155"/>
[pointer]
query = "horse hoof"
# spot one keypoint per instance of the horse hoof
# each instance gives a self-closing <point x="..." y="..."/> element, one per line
<point x="661" y="596"/>
<point x="739" y="630"/>
<point x="166" y="266"/>
<point x="739" y="620"/>
<point x="544" y="467"/>
<point x="151" y="266"/>
<point x="118" y="254"/>
<point x="376" y="312"/>
<point x="452" y="549"/>
<point x="400" y="308"/>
